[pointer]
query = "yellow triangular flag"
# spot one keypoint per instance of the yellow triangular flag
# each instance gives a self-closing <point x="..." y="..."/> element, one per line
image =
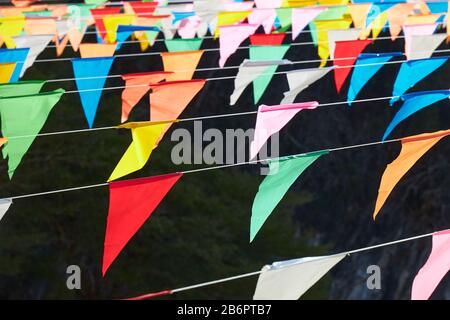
<point x="227" y="18"/>
<point x="145" y="137"/>
<point x="6" y="71"/>
<point x="112" y="22"/>
<point x="379" y="23"/>
<point x="11" y="27"/>
<point x="322" y="35"/>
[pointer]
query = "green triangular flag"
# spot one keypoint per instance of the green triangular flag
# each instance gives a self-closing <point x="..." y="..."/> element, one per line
<point x="332" y="13"/>
<point x="20" y="88"/>
<point x="285" y="17"/>
<point x="151" y="36"/>
<point x="282" y="174"/>
<point x="176" y="45"/>
<point x="265" y="53"/>
<point x="24" y="116"/>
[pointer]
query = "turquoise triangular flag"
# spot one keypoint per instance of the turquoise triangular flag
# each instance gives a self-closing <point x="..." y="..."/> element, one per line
<point x="413" y="71"/>
<point x="264" y="53"/>
<point x="282" y="174"/>
<point x="94" y="71"/>
<point x="365" y="68"/>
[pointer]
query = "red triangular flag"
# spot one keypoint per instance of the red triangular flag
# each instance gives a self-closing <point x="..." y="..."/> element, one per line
<point x="131" y="202"/>
<point x="345" y="55"/>
<point x="272" y="39"/>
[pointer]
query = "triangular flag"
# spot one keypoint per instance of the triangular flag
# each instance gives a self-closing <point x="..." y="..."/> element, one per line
<point x="17" y="56"/>
<point x="422" y="47"/>
<point x="125" y="31"/>
<point x="289" y="280"/>
<point x="188" y="27"/>
<point x="413" y="71"/>
<point x="169" y="99"/>
<point x="90" y="75"/>
<point x="228" y="18"/>
<point x="131" y="203"/>
<point x="182" y="64"/>
<point x="95" y="50"/>
<point x="6" y="71"/>
<point x="177" y="45"/>
<point x="75" y="37"/>
<point x="300" y="79"/>
<point x="414" y="102"/>
<point x="273" y="39"/>
<point x="264" y="53"/>
<point x="345" y="56"/>
<point x="264" y="17"/>
<point x="367" y="65"/>
<point x="285" y="17"/>
<point x="271" y="119"/>
<point x="422" y="19"/>
<point x="231" y="37"/>
<point x="112" y="22"/>
<point x="21" y="88"/>
<point x="136" y="86"/>
<point x="340" y="35"/>
<point x="359" y="14"/>
<point x="248" y="72"/>
<point x="24" y="116"/>
<point x="413" y="148"/>
<point x="282" y="174"/>
<point x="301" y="17"/>
<point x="434" y="269"/>
<point x="4" y="206"/>
<point x="11" y="27"/>
<point x="322" y="36"/>
<point x="378" y="25"/>
<point x="98" y="15"/>
<point x="37" y="44"/>
<point x="415" y="30"/>
<point x="145" y="137"/>
<point x="397" y="17"/>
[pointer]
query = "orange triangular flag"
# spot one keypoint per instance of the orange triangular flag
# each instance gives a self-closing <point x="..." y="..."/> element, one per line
<point x="75" y="37"/>
<point x="397" y="16"/>
<point x="61" y="45"/>
<point x="359" y="14"/>
<point x="182" y="64"/>
<point x="136" y="86"/>
<point x="94" y="50"/>
<point x="413" y="148"/>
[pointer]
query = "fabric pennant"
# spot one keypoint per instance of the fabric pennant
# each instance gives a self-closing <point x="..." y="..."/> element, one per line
<point x="131" y="203"/>
<point x="301" y="17"/>
<point x="415" y="30"/>
<point x="359" y="14"/>
<point x="413" y="148"/>
<point x="367" y="65"/>
<point x="322" y="36"/>
<point x="98" y="14"/>
<point x="17" y="56"/>
<point x="273" y="39"/>
<point x="112" y="22"/>
<point x="289" y="280"/>
<point x="248" y="72"/>
<point x="346" y="54"/>
<point x="271" y="119"/>
<point x="264" y="17"/>
<point x="414" y="102"/>
<point x="95" y="50"/>
<point x="434" y="269"/>
<point x="265" y="53"/>
<point x="285" y="17"/>
<point x="182" y="64"/>
<point x="90" y="75"/>
<point x="177" y="45"/>
<point x="136" y="86"/>
<point x="37" y="44"/>
<point x="282" y="174"/>
<point x="301" y="79"/>
<point x="423" y="46"/>
<point x="229" y="18"/>
<point x="145" y="138"/>
<point x="413" y="71"/>
<point x="341" y="35"/>
<point x="397" y="17"/>
<point x="4" y="206"/>
<point x="24" y="116"/>
<point x="231" y="38"/>
<point x="125" y="31"/>
<point x="21" y="88"/>
<point x="11" y="27"/>
<point x="6" y="71"/>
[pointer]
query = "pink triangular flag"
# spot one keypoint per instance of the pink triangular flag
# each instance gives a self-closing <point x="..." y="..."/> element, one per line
<point x="436" y="267"/>
<point x="271" y="119"/>
<point x="231" y="37"/>
<point x="264" y="17"/>
<point x="301" y="17"/>
<point x="416" y="30"/>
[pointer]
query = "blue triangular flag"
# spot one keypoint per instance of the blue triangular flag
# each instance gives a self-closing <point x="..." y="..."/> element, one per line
<point x="414" y="102"/>
<point x="14" y="55"/>
<point x="365" y="68"/>
<point x="411" y="72"/>
<point x="125" y="31"/>
<point x="94" y="71"/>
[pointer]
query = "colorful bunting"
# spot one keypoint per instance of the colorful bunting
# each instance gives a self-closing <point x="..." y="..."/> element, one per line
<point x="434" y="269"/>
<point x="17" y="56"/>
<point x="345" y="56"/>
<point x="264" y="17"/>
<point x="322" y="36"/>
<point x="416" y="30"/>
<point x="231" y="37"/>
<point x="423" y="46"/>
<point x="271" y="119"/>
<point x="182" y="64"/>
<point x="24" y="116"/>
<point x="112" y="22"/>
<point x="274" y="39"/>
<point x="397" y="17"/>
<point x="125" y="31"/>
<point x="301" y="17"/>
<point x="413" y="148"/>
<point x="341" y="35"/>
<point x="289" y="280"/>
<point x="95" y="50"/>
<point x="177" y="45"/>
<point x="229" y="18"/>
<point x="145" y="138"/>
<point x="4" y="206"/>
<point x="90" y="75"/>
<point x="283" y="173"/>
<point x="359" y="14"/>
<point x="131" y="203"/>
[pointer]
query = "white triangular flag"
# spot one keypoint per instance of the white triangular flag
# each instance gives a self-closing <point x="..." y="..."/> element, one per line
<point x="37" y="44"/>
<point x="248" y="72"/>
<point x="422" y="47"/>
<point x="4" y="206"/>
<point x="299" y="80"/>
<point x="341" y="35"/>
<point x="289" y="280"/>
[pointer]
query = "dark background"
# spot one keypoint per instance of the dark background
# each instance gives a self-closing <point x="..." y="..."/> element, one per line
<point x="200" y="230"/>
